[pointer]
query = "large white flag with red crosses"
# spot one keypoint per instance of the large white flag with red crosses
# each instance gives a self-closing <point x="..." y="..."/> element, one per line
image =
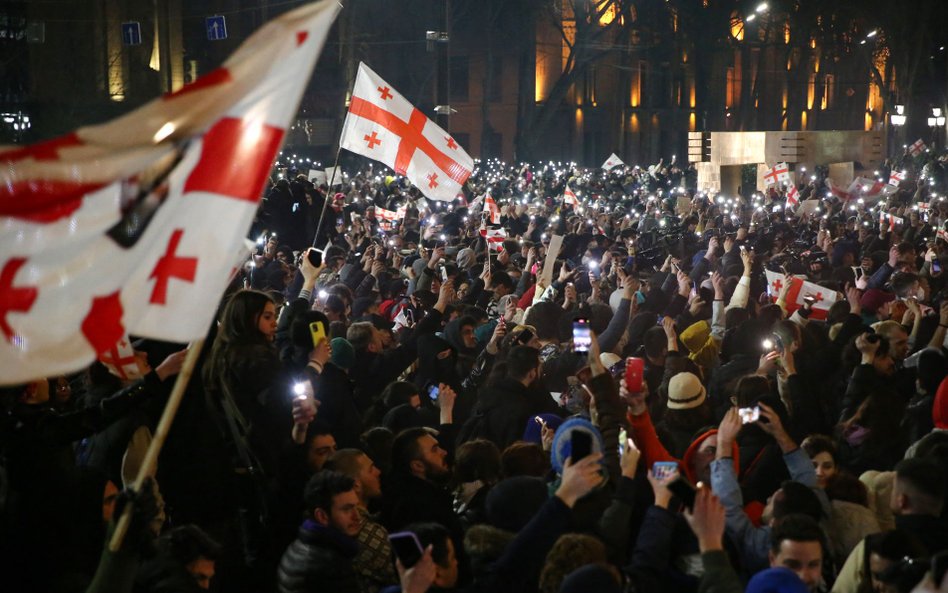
<point x="383" y="126"/>
<point x="823" y="298"/>
<point x="130" y="227"/>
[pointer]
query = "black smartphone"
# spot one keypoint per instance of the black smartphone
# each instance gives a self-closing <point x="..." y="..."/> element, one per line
<point x="582" y="339"/>
<point x="406" y="547"/>
<point x="939" y="565"/>
<point x="580" y="445"/>
<point x="315" y="257"/>
<point x="684" y="492"/>
<point x="525" y="336"/>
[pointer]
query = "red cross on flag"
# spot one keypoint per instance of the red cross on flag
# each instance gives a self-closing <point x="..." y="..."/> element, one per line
<point x="383" y="126"/>
<point x="612" y="162"/>
<point x="917" y="147"/>
<point x="870" y="190"/>
<point x="799" y="289"/>
<point x="495" y="237"/>
<point x="569" y="197"/>
<point x="120" y="360"/>
<point x="131" y="226"/>
<point x="490" y="207"/>
<point x="793" y="196"/>
<point x="896" y="177"/>
<point x="779" y="173"/>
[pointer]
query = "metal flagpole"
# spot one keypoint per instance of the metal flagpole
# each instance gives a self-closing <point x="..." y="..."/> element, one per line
<point x="322" y="214"/>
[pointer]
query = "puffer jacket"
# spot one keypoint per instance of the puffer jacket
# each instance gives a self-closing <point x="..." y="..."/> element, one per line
<point x="319" y="560"/>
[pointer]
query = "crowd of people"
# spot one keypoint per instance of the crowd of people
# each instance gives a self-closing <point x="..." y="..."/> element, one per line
<point x="404" y="406"/>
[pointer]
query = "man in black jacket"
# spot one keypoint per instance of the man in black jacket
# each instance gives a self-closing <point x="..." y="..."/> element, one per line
<point x="381" y="366"/>
<point x="321" y="557"/>
<point x="503" y="410"/>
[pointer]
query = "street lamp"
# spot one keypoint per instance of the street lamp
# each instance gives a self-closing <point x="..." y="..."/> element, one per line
<point x="898" y="118"/>
<point x="936" y="121"/>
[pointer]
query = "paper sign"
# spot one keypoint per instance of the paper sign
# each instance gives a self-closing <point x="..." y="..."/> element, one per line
<point x="554" y="250"/>
<point x="317" y="177"/>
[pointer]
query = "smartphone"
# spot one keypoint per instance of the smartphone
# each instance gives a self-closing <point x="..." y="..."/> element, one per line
<point x="582" y="339"/>
<point x="684" y="492"/>
<point x="661" y="469"/>
<point x="433" y="392"/>
<point x="634" y="373"/>
<point x="318" y="331"/>
<point x="939" y="565"/>
<point x="525" y="336"/>
<point x="936" y="266"/>
<point x="444" y="274"/>
<point x="778" y="344"/>
<point x="339" y="221"/>
<point x="749" y="415"/>
<point x="580" y="445"/>
<point x="315" y="257"/>
<point x="409" y="315"/>
<point x="406" y="547"/>
<point x="623" y="437"/>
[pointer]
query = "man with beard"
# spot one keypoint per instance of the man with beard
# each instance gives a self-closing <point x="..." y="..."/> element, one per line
<point x="416" y="492"/>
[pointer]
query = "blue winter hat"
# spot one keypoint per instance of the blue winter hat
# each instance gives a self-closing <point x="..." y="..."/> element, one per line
<point x="776" y="580"/>
<point x="532" y="433"/>
<point x="562" y="441"/>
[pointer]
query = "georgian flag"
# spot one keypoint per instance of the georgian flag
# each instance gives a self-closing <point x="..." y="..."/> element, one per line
<point x="779" y="173"/>
<point x="490" y="207"/>
<point x="800" y="288"/>
<point x="893" y="220"/>
<point x="383" y="126"/>
<point x="495" y="237"/>
<point x="569" y="197"/>
<point x="120" y="360"/>
<point x="793" y="196"/>
<point x="917" y="148"/>
<point x="131" y="226"/>
<point x="896" y="177"/>
<point x="612" y="162"/>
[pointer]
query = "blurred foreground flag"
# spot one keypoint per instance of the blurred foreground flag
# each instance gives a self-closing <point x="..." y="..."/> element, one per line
<point x="130" y="227"/>
<point x="383" y="126"/>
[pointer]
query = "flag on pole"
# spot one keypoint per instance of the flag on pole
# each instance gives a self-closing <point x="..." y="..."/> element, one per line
<point x="495" y="237"/>
<point x="612" y="162"/>
<point x="896" y="177"/>
<point x="917" y="147"/>
<point x="799" y="289"/>
<point x="383" y="126"/>
<point x="490" y="207"/>
<point x="130" y="227"/>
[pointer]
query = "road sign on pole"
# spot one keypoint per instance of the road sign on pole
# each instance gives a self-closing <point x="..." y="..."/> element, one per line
<point x="132" y="33"/>
<point x="216" y="28"/>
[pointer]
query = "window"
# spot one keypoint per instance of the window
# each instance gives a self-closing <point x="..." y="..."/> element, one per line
<point x="496" y="83"/>
<point x="460" y="78"/>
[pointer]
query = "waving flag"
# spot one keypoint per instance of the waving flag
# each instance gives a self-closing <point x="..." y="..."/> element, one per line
<point x="799" y="289"/>
<point x="130" y="227"/>
<point x="896" y="177"/>
<point x="870" y="190"/>
<point x="383" y="126"/>
<point x="917" y="147"/>
<point x="495" y="237"/>
<point x="569" y="197"/>
<point x="612" y="162"/>
<point x="793" y="196"/>
<point x="779" y="173"/>
<point x="490" y="207"/>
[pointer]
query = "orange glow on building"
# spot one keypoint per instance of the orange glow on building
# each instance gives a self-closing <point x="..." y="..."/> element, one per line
<point x="803" y="120"/>
<point x="691" y="122"/>
<point x="634" y="122"/>
<point x="868" y="121"/>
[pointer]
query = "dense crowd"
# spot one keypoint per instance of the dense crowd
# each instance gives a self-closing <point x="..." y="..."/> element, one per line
<point x="397" y="409"/>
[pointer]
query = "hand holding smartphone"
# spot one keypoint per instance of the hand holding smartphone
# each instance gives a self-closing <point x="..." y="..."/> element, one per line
<point x="582" y="338"/>
<point x="580" y="445"/>
<point x="634" y="374"/>
<point x="407" y="547"/>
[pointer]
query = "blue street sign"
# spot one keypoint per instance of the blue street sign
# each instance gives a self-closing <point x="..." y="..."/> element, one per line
<point x="216" y="28"/>
<point x="132" y="33"/>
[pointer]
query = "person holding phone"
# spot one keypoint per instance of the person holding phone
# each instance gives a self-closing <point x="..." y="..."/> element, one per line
<point x="801" y="495"/>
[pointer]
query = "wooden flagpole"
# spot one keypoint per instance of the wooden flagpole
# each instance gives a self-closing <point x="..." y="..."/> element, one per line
<point x="150" y="461"/>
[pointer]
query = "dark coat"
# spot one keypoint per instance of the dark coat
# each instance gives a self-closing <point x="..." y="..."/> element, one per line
<point x="320" y="560"/>
<point x="501" y="414"/>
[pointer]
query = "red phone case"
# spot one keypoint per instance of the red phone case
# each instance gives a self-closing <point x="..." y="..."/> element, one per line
<point x="634" y="374"/>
